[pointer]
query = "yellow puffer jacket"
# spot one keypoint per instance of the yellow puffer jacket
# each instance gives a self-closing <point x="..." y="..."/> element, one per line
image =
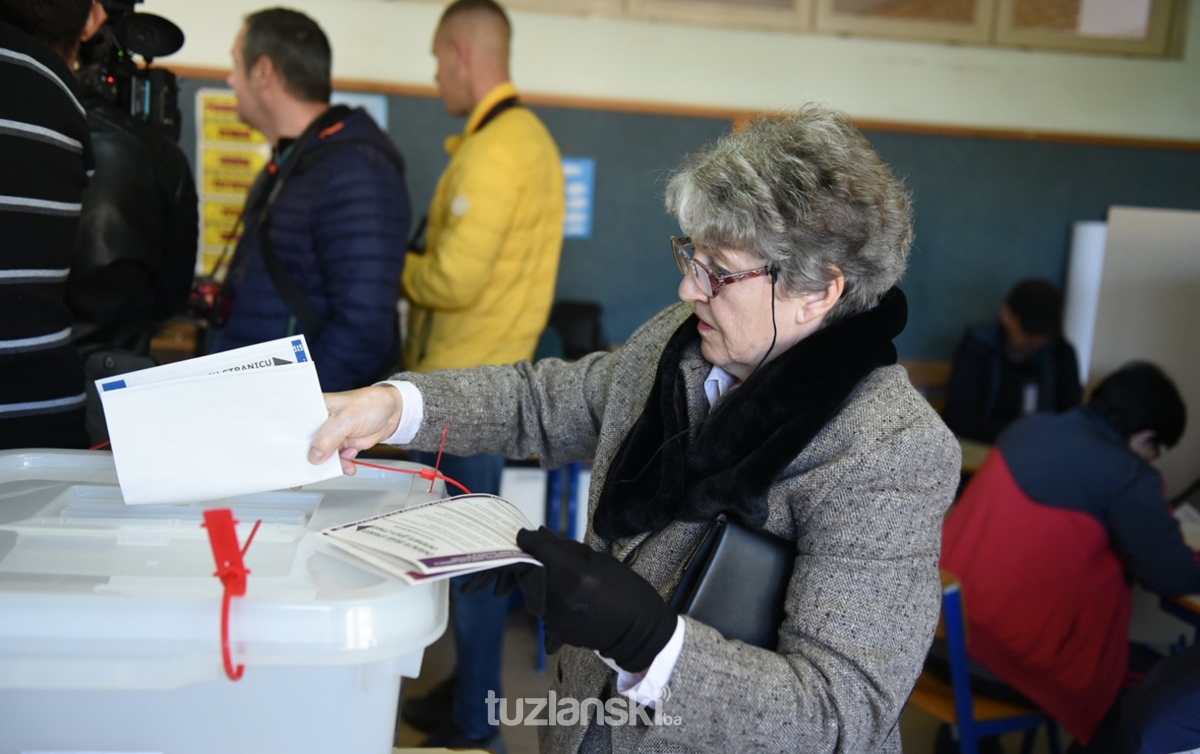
<point x="481" y="292"/>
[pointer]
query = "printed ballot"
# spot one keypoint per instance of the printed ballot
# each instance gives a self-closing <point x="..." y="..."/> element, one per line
<point x="1189" y="523"/>
<point x="205" y="429"/>
<point x="451" y="537"/>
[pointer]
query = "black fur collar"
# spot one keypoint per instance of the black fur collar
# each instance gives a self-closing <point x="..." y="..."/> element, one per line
<point x="664" y="472"/>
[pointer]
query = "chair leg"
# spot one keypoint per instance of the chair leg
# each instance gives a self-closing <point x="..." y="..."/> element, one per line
<point x="1052" y="737"/>
<point x="540" y="662"/>
<point x="572" y="472"/>
<point x="1027" y="741"/>
<point x="968" y="742"/>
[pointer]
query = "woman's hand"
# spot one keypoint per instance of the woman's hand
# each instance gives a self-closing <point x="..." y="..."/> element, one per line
<point x="357" y="420"/>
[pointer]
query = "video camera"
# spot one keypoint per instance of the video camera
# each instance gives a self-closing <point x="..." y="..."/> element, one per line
<point x="110" y="70"/>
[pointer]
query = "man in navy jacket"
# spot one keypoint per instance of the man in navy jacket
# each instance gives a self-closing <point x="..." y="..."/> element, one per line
<point x="1016" y="366"/>
<point x="326" y="223"/>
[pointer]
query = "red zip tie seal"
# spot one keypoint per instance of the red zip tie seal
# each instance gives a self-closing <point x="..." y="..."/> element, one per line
<point x="231" y="570"/>
<point x="437" y="464"/>
<point x="426" y="473"/>
<point x="432" y="475"/>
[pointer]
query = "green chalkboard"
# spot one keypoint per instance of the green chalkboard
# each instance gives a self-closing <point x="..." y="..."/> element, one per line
<point x="988" y="211"/>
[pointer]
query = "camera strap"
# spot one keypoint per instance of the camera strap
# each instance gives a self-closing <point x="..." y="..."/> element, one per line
<point x="504" y="104"/>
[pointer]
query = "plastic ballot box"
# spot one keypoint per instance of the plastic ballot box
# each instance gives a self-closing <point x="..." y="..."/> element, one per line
<point x="111" y="617"/>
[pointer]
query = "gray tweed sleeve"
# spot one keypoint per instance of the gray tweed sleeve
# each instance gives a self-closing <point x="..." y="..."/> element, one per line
<point x="552" y="409"/>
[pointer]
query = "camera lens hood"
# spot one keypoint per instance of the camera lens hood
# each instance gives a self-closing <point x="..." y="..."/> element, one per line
<point x="149" y="35"/>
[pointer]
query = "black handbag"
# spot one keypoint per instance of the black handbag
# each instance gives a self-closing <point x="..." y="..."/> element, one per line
<point x="736" y="581"/>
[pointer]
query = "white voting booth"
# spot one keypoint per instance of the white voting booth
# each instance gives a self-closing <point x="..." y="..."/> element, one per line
<point x="110" y="618"/>
<point x="1133" y="293"/>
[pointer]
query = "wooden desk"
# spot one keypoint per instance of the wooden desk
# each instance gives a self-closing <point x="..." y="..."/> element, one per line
<point x="930" y="378"/>
<point x="175" y="341"/>
<point x="1185" y="608"/>
<point x="973" y="453"/>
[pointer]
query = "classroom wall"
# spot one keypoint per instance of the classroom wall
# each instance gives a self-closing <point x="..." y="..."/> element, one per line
<point x="626" y="264"/>
<point x="1153" y="257"/>
<point x="657" y="63"/>
<point x="989" y="211"/>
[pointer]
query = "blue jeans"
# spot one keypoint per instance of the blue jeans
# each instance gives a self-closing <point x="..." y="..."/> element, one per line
<point x="479" y="618"/>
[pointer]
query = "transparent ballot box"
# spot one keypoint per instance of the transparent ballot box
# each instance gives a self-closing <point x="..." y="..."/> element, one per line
<point x="111" y="620"/>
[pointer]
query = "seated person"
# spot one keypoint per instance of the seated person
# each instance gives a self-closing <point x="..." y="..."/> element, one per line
<point x="1065" y="509"/>
<point x="769" y="392"/>
<point x="1016" y="366"/>
<point x="1162" y="715"/>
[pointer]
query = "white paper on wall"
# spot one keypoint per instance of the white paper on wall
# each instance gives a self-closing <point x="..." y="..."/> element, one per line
<point x="1084" y="273"/>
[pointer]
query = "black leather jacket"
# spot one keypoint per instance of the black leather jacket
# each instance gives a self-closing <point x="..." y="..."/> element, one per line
<point x="135" y="254"/>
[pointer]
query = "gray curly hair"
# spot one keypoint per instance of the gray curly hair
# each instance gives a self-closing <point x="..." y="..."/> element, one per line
<point x="805" y="190"/>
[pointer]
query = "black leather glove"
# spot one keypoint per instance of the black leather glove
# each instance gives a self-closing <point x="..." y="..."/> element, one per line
<point x="503" y="580"/>
<point x="590" y="599"/>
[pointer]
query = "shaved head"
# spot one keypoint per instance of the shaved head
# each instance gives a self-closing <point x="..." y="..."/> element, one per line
<point x="472" y="47"/>
<point x="483" y="25"/>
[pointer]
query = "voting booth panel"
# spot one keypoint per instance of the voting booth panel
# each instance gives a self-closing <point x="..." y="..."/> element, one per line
<point x="111" y="618"/>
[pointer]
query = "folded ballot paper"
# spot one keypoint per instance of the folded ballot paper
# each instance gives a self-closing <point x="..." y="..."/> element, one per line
<point x="450" y="537"/>
<point x="231" y="423"/>
<point x="1189" y="523"/>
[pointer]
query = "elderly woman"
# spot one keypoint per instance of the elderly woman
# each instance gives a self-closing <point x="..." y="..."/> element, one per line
<point x="770" y="394"/>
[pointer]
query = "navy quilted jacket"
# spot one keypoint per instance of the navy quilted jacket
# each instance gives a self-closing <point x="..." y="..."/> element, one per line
<point x="340" y="227"/>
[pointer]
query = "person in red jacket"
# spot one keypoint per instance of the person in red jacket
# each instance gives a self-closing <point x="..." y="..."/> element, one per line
<point x="1066" y="511"/>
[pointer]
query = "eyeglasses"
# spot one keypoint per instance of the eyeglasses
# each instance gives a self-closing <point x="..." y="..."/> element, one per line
<point x="708" y="281"/>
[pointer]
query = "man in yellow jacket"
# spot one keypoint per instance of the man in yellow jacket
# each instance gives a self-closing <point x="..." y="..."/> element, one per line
<point x="481" y="294"/>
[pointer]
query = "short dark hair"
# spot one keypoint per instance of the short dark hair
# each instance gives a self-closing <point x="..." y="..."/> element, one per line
<point x="1038" y="305"/>
<point x="471" y="6"/>
<point x="1140" y="396"/>
<point x="297" y="47"/>
<point x="58" y="23"/>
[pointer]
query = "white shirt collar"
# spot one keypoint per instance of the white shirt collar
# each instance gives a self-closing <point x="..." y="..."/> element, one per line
<point x="717" y="384"/>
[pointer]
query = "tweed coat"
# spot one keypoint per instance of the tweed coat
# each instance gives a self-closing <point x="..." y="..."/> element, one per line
<point x="863" y="502"/>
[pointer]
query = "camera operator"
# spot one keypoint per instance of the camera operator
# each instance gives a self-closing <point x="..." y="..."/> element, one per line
<point x="46" y="157"/>
<point x="135" y="253"/>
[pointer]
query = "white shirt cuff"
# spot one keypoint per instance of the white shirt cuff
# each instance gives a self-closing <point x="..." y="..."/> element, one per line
<point x="412" y="415"/>
<point x="647" y="688"/>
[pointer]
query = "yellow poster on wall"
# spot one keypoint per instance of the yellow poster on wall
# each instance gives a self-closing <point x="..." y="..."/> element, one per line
<point x="230" y="154"/>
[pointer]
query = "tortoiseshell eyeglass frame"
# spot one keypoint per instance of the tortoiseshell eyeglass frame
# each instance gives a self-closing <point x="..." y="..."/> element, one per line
<point x="708" y="281"/>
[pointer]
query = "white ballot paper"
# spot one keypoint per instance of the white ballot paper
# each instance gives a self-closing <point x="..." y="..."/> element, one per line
<point x="1189" y="523"/>
<point x="437" y="540"/>
<point x="231" y="423"/>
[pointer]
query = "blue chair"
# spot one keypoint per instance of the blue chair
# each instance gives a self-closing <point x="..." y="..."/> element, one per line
<point x="973" y="715"/>
<point x="575" y="330"/>
<point x="562" y="485"/>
